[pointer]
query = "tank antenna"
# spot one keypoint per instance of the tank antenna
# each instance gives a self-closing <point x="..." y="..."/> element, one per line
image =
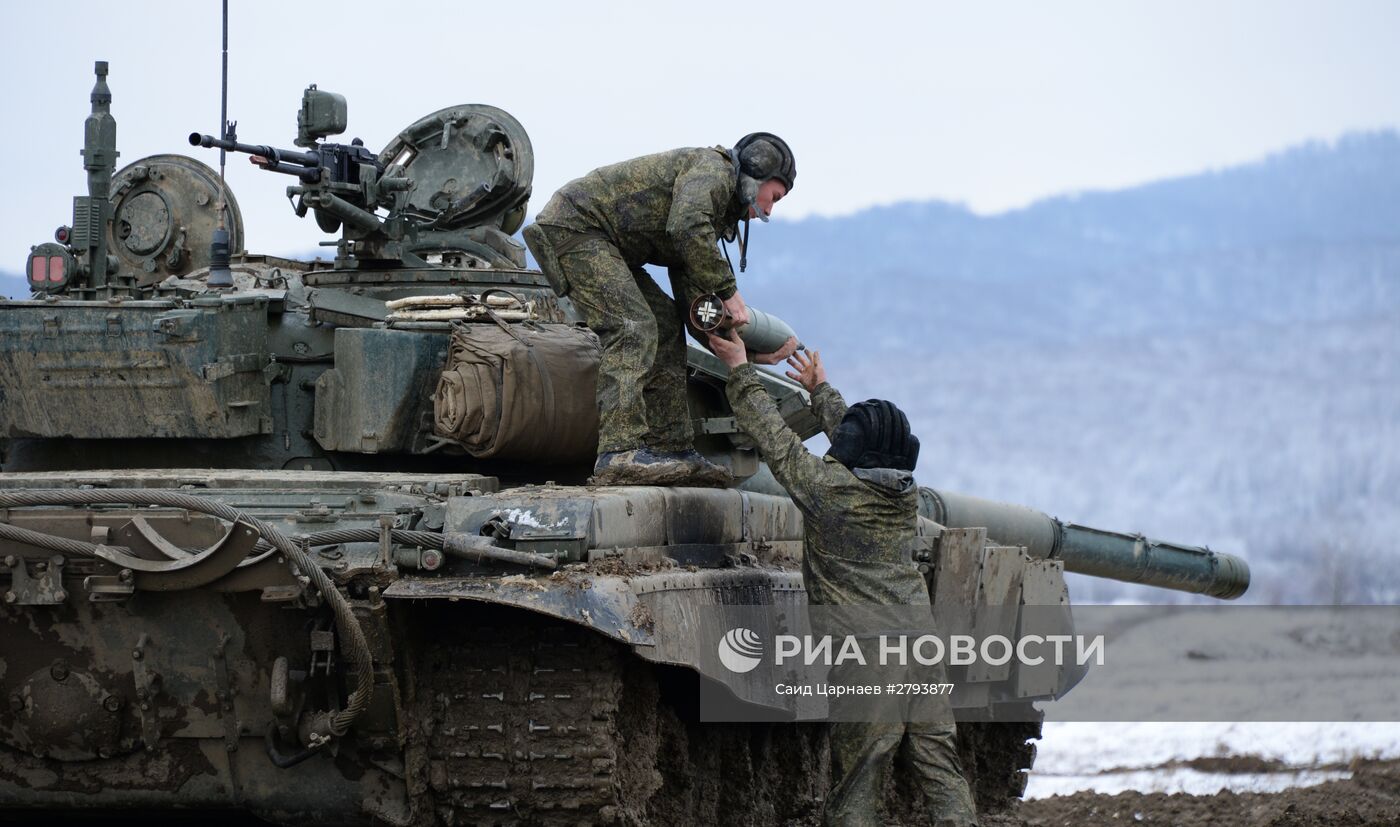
<point x="220" y="276"/>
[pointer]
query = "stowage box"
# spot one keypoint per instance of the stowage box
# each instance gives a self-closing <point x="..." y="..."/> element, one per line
<point x="112" y="370"/>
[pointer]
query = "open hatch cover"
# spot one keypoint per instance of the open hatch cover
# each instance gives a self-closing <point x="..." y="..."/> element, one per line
<point x="471" y="166"/>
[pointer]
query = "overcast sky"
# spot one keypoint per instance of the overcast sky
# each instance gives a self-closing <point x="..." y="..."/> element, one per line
<point x="986" y="103"/>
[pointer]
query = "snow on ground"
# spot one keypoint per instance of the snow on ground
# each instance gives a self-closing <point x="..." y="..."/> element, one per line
<point x="1112" y="757"/>
<point x="1315" y="652"/>
<point x="1179" y="780"/>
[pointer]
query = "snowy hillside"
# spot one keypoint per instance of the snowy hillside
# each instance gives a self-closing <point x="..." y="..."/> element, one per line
<point x="1214" y="359"/>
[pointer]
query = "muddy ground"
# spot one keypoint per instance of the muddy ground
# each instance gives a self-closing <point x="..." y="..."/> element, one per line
<point x="1371" y="797"/>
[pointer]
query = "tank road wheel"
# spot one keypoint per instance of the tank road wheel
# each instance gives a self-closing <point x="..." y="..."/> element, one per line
<point x="532" y="721"/>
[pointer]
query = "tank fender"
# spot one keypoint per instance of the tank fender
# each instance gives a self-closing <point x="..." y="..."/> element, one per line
<point x="605" y="604"/>
<point x="657" y="615"/>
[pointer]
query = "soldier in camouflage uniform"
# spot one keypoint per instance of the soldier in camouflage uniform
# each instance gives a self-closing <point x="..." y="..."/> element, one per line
<point x="591" y="241"/>
<point x="859" y="507"/>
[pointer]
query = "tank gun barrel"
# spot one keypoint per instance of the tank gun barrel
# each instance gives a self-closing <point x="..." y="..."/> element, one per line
<point x="1131" y="558"/>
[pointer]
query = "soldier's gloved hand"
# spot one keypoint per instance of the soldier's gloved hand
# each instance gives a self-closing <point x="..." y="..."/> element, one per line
<point x="789" y="347"/>
<point x="729" y="348"/>
<point x="809" y="369"/>
<point x="737" y="309"/>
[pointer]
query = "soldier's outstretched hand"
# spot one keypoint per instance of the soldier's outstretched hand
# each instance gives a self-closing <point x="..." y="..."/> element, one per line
<point x="789" y="347"/>
<point x="809" y="369"/>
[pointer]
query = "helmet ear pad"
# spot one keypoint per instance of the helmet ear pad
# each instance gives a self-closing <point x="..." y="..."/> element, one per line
<point x="748" y="190"/>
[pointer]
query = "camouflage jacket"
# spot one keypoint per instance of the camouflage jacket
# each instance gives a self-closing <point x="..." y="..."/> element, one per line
<point x="670" y="209"/>
<point x="859" y="526"/>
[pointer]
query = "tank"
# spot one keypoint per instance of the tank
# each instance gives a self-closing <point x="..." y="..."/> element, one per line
<point x="313" y="539"/>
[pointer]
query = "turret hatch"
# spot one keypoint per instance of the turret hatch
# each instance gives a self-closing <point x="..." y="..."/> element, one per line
<point x="471" y="166"/>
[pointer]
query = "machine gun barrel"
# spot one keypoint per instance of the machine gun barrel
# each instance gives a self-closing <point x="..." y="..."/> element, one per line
<point x="1131" y="558"/>
<point x="306" y="165"/>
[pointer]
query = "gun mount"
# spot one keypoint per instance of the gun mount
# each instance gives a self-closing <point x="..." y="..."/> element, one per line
<point x="341" y="183"/>
<point x="457" y="180"/>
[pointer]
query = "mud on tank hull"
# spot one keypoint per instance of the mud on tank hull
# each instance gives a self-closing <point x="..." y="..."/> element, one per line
<point x="500" y="693"/>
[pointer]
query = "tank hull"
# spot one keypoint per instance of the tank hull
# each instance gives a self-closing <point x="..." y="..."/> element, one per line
<point x="193" y="697"/>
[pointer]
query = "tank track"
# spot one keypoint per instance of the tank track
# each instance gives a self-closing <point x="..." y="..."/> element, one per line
<point x="997" y="758"/>
<point x="528" y="721"/>
<point x="522" y="723"/>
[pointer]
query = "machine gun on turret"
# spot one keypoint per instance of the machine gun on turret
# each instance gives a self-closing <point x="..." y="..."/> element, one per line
<point x="471" y="168"/>
<point x="342" y="183"/>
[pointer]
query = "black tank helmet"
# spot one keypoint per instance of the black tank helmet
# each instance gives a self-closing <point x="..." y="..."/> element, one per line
<point x="875" y="434"/>
<point x="763" y="155"/>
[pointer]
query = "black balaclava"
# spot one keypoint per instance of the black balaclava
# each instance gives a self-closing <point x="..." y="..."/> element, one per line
<point x="875" y="434"/>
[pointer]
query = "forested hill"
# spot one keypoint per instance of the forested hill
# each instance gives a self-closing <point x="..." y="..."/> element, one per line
<point x="1304" y="235"/>
<point x="1212" y="359"/>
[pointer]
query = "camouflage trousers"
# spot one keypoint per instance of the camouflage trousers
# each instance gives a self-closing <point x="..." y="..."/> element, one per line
<point x="862" y="754"/>
<point x="874" y="732"/>
<point x="641" y="331"/>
